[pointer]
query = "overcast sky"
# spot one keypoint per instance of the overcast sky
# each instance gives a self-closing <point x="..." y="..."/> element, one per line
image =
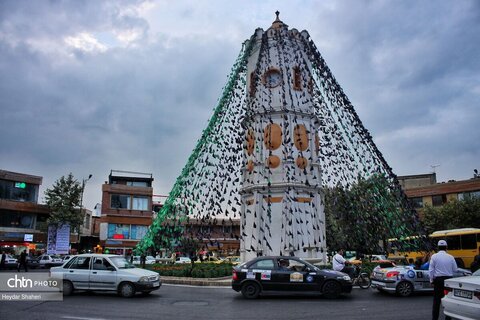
<point x="90" y="86"/>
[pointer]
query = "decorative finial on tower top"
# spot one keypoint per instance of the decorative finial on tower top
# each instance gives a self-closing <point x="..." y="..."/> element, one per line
<point x="277" y="24"/>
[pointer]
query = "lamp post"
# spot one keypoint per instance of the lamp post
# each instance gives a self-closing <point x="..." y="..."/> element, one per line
<point x="84" y="182"/>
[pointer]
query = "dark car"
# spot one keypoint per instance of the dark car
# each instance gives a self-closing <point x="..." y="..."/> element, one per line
<point x="287" y="274"/>
<point x="33" y="263"/>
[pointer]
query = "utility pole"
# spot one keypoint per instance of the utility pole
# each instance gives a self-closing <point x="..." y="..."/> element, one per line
<point x="84" y="182"/>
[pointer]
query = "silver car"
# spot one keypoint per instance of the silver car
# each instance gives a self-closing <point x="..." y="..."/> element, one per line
<point x="105" y="272"/>
<point x="405" y="280"/>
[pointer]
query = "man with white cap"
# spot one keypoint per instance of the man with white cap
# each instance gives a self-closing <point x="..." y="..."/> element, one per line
<point x="442" y="266"/>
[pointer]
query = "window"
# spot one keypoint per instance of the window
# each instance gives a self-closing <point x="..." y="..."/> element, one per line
<point x="227" y="229"/>
<point x="121" y="201"/>
<point x="263" y="265"/>
<point x="81" y="263"/>
<point x="118" y="231"/>
<point x="140" y="203"/>
<point x="469" y="241"/>
<point x="297" y="79"/>
<point x="137" y="183"/>
<point x="205" y="229"/>
<point x="417" y="202"/>
<point x="18" y="191"/>
<point x="69" y="263"/>
<point x="14" y="219"/>
<point x="453" y="243"/>
<point x="138" y="232"/>
<point x="469" y="195"/>
<point x="439" y="200"/>
<point x="87" y="221"/>
<point x="100" y="264"/>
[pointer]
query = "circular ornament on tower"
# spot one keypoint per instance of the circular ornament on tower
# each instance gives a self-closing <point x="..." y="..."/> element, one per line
<point x="272" y="78"/>
<point x="273" y="162"/>
<point x="301" y="162"/>
<point x="272" y="136"/>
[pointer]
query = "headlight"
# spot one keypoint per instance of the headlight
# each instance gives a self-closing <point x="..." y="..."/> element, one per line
<point x="143" y="279"/>
<point x="346" y="278"/>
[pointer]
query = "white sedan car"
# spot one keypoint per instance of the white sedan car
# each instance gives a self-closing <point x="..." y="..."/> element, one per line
<point x="148" y="260"/>
<point x="462" y="299"/>
<point x="105" y="272"/>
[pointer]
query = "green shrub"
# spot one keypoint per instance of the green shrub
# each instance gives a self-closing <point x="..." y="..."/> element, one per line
<point x="200" y="270"/>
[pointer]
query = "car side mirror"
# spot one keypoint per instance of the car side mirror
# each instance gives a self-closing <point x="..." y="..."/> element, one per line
<point x="110" y="268"/>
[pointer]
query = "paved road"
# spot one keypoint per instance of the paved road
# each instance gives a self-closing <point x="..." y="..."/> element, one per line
<point x="180" y="302"/>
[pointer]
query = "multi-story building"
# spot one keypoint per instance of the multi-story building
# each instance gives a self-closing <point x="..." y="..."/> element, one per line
<point x="126" y="211"/>
<point x="23" y="222"/>
<point x="423" y="190"/>
<point x="220" y="237"/>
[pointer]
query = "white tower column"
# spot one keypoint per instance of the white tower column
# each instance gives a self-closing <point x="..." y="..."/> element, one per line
<point x="282" y="207"/>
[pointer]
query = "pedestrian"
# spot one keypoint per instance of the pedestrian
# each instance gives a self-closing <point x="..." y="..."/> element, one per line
<point x="2" y="261"/>
<point x="143" y="259"/>
<point x="442" y="267"/>
<point x="339" y="264"/>
<point x="22" y="261"/>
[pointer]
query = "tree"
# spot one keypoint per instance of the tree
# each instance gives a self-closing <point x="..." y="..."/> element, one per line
<point x="63" y="200"/>
<point x="365" y="214"/>
<point x="452" y="215"/>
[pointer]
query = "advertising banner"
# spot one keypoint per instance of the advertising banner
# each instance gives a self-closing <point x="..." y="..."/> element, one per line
<point x="58" y="239"/>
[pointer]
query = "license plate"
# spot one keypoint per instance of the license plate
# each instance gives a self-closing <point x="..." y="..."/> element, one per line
<point x="462" y="293"/>
<point x="156" y="284"/>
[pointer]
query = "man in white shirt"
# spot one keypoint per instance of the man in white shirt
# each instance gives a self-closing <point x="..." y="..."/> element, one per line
<point x="339" y="264"/>
<point x="442" y="266"/>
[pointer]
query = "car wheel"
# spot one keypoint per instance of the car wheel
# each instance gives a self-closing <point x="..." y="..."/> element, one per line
<point x="404" y="289"/>
<point x="364" y="282"/>
<point x="67" y="288"/>
<point x="331" y="289"/>
<point x="126" y="290"/>
<point x="250" y="290"/>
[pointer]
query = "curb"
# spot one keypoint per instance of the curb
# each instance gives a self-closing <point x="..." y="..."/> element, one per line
<point x="205" y="282"/>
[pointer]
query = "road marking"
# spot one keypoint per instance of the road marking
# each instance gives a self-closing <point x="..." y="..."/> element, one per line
<point x="192" y="286"/>
<point x="82" y="318"/>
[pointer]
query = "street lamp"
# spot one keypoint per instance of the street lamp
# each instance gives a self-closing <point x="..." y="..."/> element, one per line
<point x="84" y="182"/>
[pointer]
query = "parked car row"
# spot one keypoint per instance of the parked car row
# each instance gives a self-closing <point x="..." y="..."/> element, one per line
<point x="43" y="261"/>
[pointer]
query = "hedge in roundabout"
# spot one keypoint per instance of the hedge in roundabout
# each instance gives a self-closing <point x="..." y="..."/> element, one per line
<point x="198" y="270"/>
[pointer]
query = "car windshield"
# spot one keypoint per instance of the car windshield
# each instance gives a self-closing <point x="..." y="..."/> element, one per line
<point x="121" y="262"/>
<point x="476" y="273"/>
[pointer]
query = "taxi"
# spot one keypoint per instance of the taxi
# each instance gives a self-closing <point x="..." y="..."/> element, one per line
<point x="405" y="280"/>
<point x="282" y="273"/>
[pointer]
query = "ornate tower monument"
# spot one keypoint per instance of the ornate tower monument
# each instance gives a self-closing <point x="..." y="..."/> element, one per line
<point x="283" y="132"/>
<point x="282" y="210"/>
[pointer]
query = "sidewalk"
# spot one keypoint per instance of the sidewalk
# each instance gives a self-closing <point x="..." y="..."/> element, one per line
<point x="210" y="282"/>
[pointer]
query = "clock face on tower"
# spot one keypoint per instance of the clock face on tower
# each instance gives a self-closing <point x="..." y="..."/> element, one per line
<point x="272" y="78"/>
